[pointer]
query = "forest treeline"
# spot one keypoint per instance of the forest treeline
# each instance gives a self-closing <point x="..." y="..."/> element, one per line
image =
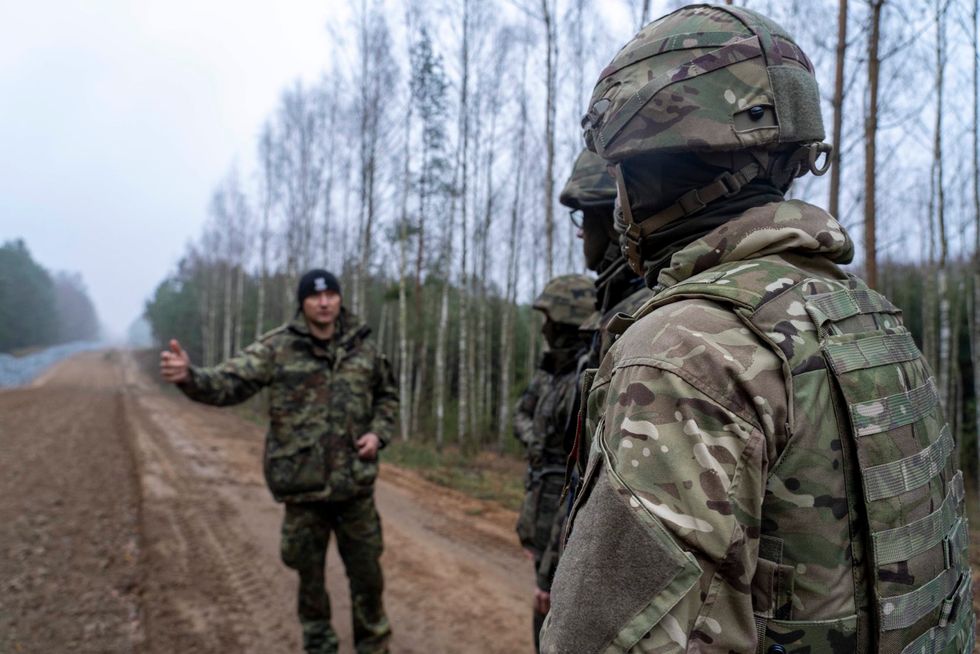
<point x="424" y="167"/>
<point x="39" y="308"/>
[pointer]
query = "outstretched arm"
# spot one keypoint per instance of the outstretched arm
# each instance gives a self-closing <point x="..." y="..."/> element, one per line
<point x="230" y="382"/>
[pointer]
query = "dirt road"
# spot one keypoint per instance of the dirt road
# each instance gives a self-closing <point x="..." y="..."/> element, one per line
<point x="134" y="520"/>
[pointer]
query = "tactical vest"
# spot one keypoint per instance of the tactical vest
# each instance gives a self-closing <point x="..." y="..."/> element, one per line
<point x="864" y="541"/>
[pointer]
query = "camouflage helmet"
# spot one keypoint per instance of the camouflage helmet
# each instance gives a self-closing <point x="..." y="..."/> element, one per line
<point x="568" y="299"/>
<point x="590" y="184"/>
<point x="723" y="83"/>
<point x="704" y="79"/>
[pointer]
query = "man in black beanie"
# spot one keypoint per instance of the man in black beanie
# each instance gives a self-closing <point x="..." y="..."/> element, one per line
<point x="332" y="406"/>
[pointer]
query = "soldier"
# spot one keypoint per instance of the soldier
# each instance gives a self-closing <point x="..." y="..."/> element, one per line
<point x="545" y="418"/>
<point x="771" y="470"/>
<point x="590" y="194"/>
<point x="332" y="406"/>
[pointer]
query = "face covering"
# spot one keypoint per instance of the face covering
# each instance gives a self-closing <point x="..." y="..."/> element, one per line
<point x="655" y="182"/>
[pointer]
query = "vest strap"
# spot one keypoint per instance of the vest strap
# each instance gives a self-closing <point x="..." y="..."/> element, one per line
<point x="938" y="639"/>
<point x="903" y="611"/>
<point x="847" y="303"/>
<point x="957" y="545"/>
<point x="897" y="477"/>
<point x="903" y="543"/>
<point x="871" y="352"/>
<point x="887" y="413"/>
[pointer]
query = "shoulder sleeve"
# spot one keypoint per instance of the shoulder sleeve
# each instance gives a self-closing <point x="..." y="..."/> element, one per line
<point x="235" y="380"/>
<point x="671" y="511"/>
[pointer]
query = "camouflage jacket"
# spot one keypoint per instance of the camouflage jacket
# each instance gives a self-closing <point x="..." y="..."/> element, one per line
<point x="721" y="508"/>
<point x="617" y="296"/>
<point x="599" y="322"/>
<point x="545" y="421"/>
<point x="322" y="397"/>
<point x="543" y="415"/>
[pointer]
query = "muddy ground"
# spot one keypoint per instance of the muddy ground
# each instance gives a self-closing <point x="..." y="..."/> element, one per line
<point x="132" y="520"/>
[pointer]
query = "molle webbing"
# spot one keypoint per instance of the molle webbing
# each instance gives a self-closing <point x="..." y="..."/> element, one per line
<point x="893" y="406"/>
<point x="891" y="479"/>
<point x="847" y="303"/>
<point x="949" y="589"/>
<point x="919" y="584"/>
<point x="887" y="413"/>
<point x="938" y="639"/>
<point x="886" y="348"/>
<point x="906" y="541"/>
<point x="903" y="611"/>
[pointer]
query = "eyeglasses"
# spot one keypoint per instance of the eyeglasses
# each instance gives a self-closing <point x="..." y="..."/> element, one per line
<point x="576" y="215"/>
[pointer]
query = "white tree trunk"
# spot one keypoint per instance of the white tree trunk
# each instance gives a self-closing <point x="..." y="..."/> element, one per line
<point x="419" y="370"/>
<point x="945" y="332"/>
<point x="239" y="307"/>
<point x="551" y="86"/>
<point x="440" y="379"/>
<point x="404" y="365"/>
<point x="463" y="343"/>
<point x="226" y="311"/>
<point x="975" y="152"/>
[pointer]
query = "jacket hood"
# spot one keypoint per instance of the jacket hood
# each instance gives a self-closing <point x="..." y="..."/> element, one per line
<point x="790" y="227"/>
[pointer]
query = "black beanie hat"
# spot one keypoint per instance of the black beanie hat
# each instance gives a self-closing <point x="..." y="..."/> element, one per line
<point x="316" y="281"/>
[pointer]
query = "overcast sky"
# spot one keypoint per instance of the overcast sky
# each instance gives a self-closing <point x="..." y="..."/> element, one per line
<point x="118" y="118"/>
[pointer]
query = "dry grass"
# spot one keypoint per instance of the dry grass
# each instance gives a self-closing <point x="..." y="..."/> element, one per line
<point x="484" y="475"/>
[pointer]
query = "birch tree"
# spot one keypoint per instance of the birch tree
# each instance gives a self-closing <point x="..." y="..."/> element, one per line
<point x="838" y="104"/>
<point x="269" y="177"/>
<point x="404" y="363"/>
<point x="463" y="159"/>
<point x="429" y="96"/>
<point x="975" y="160"/>
<point x="510" y="293"/>
<point x="548" y="11"/>
<point x="375" y="75"/>
<point x="945" y="335"/>
<point x="870" y="146"/>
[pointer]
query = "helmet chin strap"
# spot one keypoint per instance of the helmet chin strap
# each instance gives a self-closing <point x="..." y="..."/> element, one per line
<point x="634" y="233"/>
<point x="757" y="163"/>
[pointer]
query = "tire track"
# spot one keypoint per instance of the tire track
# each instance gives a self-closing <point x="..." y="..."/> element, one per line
<point x="455" y="577"/>
<point x="203" y="523"/>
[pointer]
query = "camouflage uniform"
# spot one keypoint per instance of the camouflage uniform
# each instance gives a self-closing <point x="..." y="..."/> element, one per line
<point x="545" y="420"/>
<point x="618" y="290"/>
<point x="323" y="395"/>
<point x="770" y="470"/>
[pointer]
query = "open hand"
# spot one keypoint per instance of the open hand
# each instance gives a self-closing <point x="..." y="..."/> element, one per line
<point x="175" y="364"/>
<point x="367" y="446"/>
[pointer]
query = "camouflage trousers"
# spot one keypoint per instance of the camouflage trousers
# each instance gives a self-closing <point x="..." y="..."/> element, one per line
<point x="535" y="523"/>
<point x="305" y="535"/>
<point x="538" y="510"/>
